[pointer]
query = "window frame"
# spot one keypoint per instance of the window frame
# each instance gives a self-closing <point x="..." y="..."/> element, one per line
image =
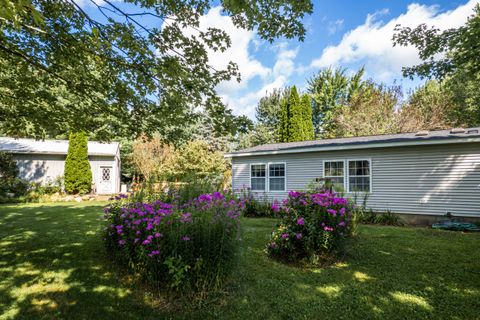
<point x="267" y="176"/>
<point x="285" y="176"/>
<point x="344" y="171"/>
<point x="369" y="160"/>
<point x="250" y="176"/>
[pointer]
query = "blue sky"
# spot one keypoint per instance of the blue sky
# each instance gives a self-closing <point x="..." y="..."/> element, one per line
<point x="348" y="34"/>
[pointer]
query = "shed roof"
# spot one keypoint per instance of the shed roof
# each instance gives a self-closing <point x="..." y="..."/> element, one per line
<point x="27" y="146"/>
<point x="377" y="141"/>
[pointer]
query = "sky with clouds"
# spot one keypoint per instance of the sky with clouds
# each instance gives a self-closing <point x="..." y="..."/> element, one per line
<point x="348" y="34"/>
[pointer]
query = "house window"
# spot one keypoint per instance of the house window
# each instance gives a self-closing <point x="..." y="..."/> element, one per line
<point x="334" y="171"/>
<point x="258" y="177"/>
<point x="359" y="176"/>
<point x="276" y="176"/>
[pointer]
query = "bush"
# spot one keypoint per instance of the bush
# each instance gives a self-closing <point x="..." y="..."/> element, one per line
<point x="257" y="208"/>
<point x="190" y="246"/>
<point x="8" y="167"/>
<point x="313" y="228"/>
<point x="368" y="216"/>
<point x="78" y="175"/>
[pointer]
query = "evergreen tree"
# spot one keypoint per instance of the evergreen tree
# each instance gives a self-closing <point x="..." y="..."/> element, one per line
<point x="296" y="117"/>
<point x="291" y="119"/>
<point x="78" y="175"/>
<point x="307" y="117"/>
<point x="284" y="130"/>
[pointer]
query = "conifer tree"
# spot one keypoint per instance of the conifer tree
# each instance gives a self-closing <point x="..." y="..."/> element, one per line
<point x="296" y="117"/>
<point x="292" y="127"/>
<point x="78" y="175"/>
<point x="284" y="129"/>
<point x="307" y="118"/>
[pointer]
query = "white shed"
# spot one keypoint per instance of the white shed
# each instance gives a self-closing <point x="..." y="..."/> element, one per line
<point x="44" y="161"/>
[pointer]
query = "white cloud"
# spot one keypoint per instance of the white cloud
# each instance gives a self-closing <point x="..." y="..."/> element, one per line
<point x="242" y="96"/>
<point x="335" y="26"/>
<point x="238" y="52"/>
<point x="256" y="78"/>
<point x="371" y="43"/>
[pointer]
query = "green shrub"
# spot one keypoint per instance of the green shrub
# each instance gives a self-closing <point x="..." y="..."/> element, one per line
<point x="313" y="228"/>
<point x="369" y="216"/>
<point x="185" y="247"/>
<point x="257" y="208"/>
<point x="78" y="175"/>
<point x="8" y="168"/>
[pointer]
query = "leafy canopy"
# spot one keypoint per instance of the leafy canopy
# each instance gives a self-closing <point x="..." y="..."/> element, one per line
<point x="61" y="70"/>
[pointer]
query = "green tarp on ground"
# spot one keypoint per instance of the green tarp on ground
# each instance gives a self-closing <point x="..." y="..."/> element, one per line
<point x="455" y="225"/>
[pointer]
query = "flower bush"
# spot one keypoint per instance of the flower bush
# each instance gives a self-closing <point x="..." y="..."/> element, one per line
<point x="313" y="228"/>
<point x="183" y="246"/>
<point x="257" y="208"/>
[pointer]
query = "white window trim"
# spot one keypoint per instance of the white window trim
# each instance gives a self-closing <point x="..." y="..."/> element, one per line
<point x="348" y="172"/>
<point x="250" y="176"/>
<point x="285" y="177"/>
<point x="344" y="171"/>
<point x="267" y="176"/>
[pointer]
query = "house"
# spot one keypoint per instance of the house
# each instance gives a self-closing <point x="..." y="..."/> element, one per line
<point x="44" y="161"/>
<point x="424" y="173"/>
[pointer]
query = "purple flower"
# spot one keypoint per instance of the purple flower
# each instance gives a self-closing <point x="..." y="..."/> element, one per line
<point x="158" y="235"/>
<point x="299" y="236"/>
<point x="341" y="224"/>
<point x="342" y="211"/>
<point x="332" y="212"/>
<point x="275" y="207"/>
<point x="285" y="235"/>
<point x="327" y="228"/>
<point x="186" y="238"/>
<point x="146" y="242"/>
<point x="186" y="218"/>
<point x="154" y="253"/>
<point x="121" y="242"/>
<point x="301" y="221"/>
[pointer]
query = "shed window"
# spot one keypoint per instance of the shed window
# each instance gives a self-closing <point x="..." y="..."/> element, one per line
<point x="258" y="176"/>
<point x="359" y="176"/>
<point x="334" y="171"/>
<point x="276" y="176"/>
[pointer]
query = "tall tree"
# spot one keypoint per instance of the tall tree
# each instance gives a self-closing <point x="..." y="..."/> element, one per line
<point x="291" y="119"/>
<point x="330" y="89"/>
<point x="306" y="104"/>
<point x="78" y="174"/>
<point x="268" y="110"/>
<point x="62" y="69"/>
<point x="370" y="111"/>
<point x="451" y="56"/>
<point x="430" y="107"/>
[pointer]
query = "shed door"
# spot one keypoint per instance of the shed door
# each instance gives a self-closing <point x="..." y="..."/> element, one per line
<point x="106" y="180"/>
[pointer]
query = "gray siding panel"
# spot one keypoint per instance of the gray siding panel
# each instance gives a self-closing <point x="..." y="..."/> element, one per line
<point x="420" y="180"/>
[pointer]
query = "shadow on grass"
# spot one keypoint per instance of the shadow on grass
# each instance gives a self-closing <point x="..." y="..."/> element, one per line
<point x="389" y="273"/>
<point x="53" y="265"/>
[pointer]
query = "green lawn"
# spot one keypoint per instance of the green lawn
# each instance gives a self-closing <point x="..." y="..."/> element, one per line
<point x="53" y="266"/>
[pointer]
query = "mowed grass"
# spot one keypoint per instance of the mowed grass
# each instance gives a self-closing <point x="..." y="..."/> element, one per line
<point x="53" y="266"/>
